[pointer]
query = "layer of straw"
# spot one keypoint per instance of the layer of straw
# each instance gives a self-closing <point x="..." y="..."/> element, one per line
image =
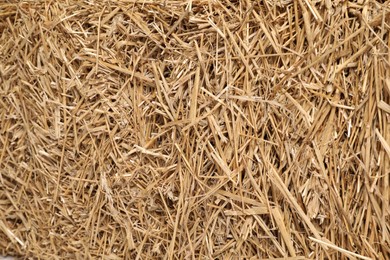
<point x="195" y="129"/>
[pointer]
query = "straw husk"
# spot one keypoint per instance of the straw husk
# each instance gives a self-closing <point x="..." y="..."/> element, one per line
<point x="195" y="129"/>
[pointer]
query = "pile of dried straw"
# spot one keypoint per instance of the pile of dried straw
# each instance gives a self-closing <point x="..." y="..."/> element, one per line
<point x="195" y="129"/>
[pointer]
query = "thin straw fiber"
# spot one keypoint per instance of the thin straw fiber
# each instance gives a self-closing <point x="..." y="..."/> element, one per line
<point x="194" y="129"/>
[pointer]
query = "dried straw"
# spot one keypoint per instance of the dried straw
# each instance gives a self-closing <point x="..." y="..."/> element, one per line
<point x="195" y="129"/>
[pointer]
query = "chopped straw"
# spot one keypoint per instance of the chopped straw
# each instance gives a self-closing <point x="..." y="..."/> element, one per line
<point x="195" y="129"/>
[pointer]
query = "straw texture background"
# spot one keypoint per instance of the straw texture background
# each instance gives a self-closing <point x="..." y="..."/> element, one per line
<point x="195" y="129"/>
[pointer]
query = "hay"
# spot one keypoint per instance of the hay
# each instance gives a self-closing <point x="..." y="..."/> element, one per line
<point x="195" y="129"/>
